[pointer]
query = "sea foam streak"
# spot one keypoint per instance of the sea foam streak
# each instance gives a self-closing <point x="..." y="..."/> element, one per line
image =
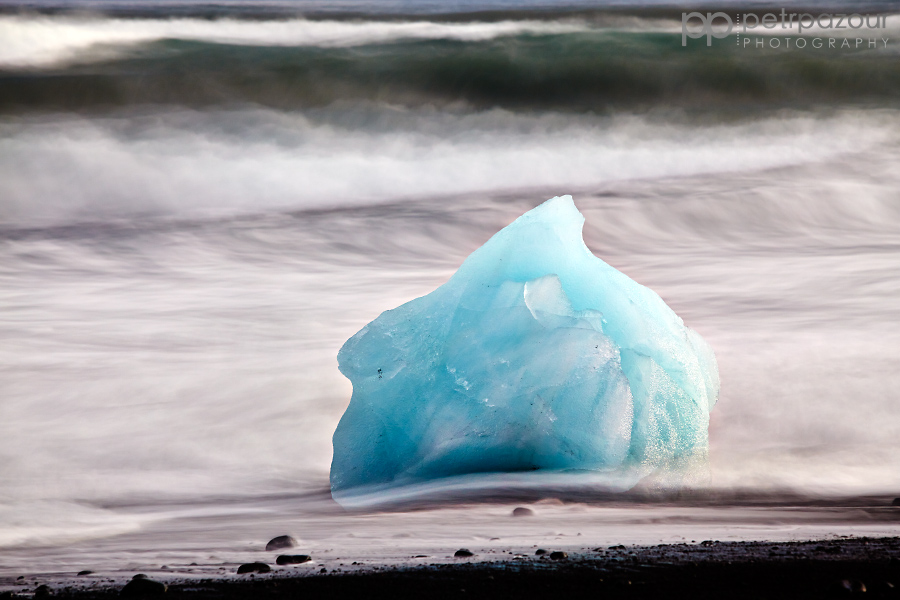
<point x="223" y="163"/>
<point x="47" y="41"/>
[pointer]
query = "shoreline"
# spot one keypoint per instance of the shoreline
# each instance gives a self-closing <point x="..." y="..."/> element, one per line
<point x="702" y="569"/>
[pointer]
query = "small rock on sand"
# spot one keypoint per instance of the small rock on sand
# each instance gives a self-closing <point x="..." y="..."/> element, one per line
<point x="140" y="586"/>
<point x="540" y="552"/>
<point x="521" y="511"/>
<point x="43" y="591"/>
<point x="292" y="559"/>
<point x="255" y="567"/>
<point x="896" y="502"/>
<point x="282" y="541"/>
<point x="854" y="586"/>
<point x="559" y="555"/>
<point x="463" y="553"/>
<point x="85" y="572"/>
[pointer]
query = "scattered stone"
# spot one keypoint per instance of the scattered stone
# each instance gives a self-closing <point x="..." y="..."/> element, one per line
<point x="558" y="555"/>
<point x="896" y="502"/>
<point x="323" y="570"/>
<point x="293" y="559"/>
<point x="254" y="567"/>
<point x="521" y="511"/>
<point x="619" y="547"/>
<point x="85" y="572"/>
<point x="463" y="553"/>
<point x="540" y="552"/>
<point x="282" y="541"/>
<point x="853" y="586"/>
<point x="43" y="591"/>
<point x="141" y="586"/>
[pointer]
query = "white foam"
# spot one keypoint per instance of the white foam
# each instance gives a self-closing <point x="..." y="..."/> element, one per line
<point x="191" y="164"/>
<point x="48" y="41"/>
<point x="47" y="522"/>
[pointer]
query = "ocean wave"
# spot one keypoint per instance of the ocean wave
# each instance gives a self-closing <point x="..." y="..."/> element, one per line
<point x="523" y="66"/>
<point x="198" y="164"/>
<point x="52" y="41"/>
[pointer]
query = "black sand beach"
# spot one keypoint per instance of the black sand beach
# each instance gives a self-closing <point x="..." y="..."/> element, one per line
<point x="705" y="569"/>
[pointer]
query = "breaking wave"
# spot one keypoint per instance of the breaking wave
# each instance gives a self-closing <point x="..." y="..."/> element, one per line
<point x="66" y="63"/>
<point x="48" y="41"/>
<point x="218" y="163"/>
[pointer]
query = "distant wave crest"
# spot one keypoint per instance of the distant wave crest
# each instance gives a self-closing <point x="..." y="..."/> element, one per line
<point x="68" y="63"/>
<point x="30" y="42"/>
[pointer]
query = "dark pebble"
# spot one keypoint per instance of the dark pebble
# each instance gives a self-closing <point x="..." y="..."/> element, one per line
<point x="896" y="502"/>
<point x="43" y="591"/>
<point x="619" y="547"/>
<point x="292" y="559"/>
<point x="323" y="570"/>
<point x="462" y="553"/>
<point x="282" y="541"/>
<point x="853" y="586"/>
<point x="85" y="572"/>
<point x="255" y="567"/>
<point x="521" y="511"/>
<point x="559" y="555"/>
<point x="540" y="552"/>
<point x="140" y="586"/>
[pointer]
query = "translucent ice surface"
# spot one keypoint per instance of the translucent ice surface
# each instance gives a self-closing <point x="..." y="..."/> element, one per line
<point x="536" y="358"/>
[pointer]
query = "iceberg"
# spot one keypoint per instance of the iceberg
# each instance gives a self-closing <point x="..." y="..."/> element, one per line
<point x="534" y="358"/>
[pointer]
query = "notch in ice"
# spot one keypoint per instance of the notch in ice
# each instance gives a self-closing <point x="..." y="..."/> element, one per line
<point x="535" y="362"/>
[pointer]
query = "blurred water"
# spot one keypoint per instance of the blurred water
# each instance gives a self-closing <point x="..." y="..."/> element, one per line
<point x="194" y="359"/>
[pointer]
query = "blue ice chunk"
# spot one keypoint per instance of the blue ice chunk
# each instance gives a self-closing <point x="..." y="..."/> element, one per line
<point x="535" y="356"/>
